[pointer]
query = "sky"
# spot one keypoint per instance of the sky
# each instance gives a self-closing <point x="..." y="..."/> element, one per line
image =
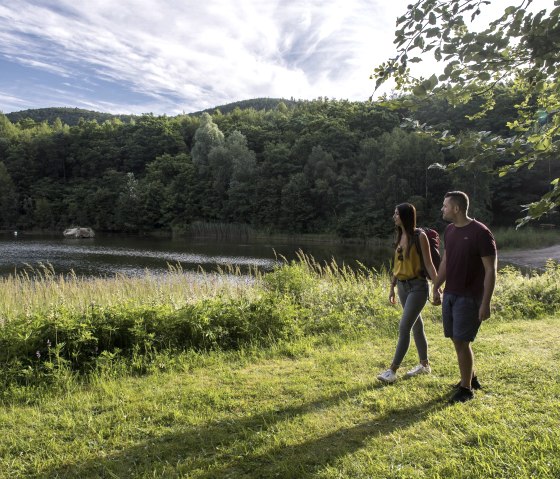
<point x="181" y="56"/>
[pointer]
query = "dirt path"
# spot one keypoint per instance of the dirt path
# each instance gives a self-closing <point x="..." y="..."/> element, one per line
<point x="535" y="258"/>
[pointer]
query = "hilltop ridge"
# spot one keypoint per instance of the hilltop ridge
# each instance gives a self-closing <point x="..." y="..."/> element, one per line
<point x="71" y="116"/>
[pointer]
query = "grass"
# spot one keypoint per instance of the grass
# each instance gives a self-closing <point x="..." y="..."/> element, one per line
<point x="295" y="399"/>
<point x="304" y="409"/>
<point x="526" y="238"/>
<point x="40" y="289"/>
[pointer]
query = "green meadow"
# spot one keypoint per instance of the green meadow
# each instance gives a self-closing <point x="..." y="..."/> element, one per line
<point x="272" y="375"/>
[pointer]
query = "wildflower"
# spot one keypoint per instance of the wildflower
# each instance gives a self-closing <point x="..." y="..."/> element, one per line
<point x="38" y="354"/>
<point x="48" y="343"/>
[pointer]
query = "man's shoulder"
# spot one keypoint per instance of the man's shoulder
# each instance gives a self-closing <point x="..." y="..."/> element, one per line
<point x="485" y="239"/>
<point x="480" y="227"/>
<point x="479" y="224"/>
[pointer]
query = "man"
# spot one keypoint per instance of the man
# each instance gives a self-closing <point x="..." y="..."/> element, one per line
<point x="468" y="268"/>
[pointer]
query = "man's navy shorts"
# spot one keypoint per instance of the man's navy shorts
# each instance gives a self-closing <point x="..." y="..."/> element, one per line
<point x="460" y="317"/>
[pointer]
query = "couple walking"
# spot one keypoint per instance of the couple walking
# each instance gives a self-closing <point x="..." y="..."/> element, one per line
<point x="468" y="269"/>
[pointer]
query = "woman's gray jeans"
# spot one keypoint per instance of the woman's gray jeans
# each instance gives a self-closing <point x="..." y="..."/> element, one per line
<point x="413" y="295"/>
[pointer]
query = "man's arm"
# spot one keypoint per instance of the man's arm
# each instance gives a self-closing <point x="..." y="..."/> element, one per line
<point x="490" y="267"/>
<point x="440" y="279"/>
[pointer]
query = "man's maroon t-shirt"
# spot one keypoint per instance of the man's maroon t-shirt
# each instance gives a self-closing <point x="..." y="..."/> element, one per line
<point x="464" y="249"/>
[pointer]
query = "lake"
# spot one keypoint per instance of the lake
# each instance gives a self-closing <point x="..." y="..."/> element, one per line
<point x="132" y="256"/>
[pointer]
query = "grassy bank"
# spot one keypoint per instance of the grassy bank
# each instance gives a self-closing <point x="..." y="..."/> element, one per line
<point x="275" y="378"/>
<point x="526" y="238"/>
<point x="305" y="409"/>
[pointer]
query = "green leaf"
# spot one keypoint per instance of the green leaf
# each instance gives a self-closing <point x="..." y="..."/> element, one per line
<point x="543" y="145"/>
<point x="433" y="81"/>
<point x="419" y="42"/>
<point x="419" y="91"/>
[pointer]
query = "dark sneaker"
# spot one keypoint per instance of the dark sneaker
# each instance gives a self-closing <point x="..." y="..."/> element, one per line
<point x="474" y="384"/>
<point x="462" y="395"/>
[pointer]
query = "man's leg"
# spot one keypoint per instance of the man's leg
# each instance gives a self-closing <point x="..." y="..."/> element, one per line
<point x="465" y="358"/>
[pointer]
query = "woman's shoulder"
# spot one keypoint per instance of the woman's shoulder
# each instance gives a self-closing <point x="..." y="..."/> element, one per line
<point x="419" y="232"/>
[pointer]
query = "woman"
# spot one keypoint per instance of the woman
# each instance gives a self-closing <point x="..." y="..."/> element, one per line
<point x="412" y="290"/>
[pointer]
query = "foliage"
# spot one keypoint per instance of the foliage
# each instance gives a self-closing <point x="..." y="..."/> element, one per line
<point x="53" y="326"/>
<point x="519" y="297"/>
<point x="528" y="238"/>
<point x="306" y="408"/>
<point x="68" y="116"/>
<point x="254" y="103"/>
<point x="49" y="330"/>
<point x="322" y="166"/>
<point x="520" y="48"/>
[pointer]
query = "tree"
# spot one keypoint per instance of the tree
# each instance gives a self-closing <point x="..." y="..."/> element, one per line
<point x="297" y="207"/>
<point x="242" y="184"/>
<point x="128" y="208"/>
<point x="206" y="137"/>
<point x="8" y="199"/>
<point x="521" y="49"/>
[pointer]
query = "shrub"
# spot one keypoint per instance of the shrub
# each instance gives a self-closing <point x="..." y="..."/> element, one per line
<point x="300" y="298"/>
<point x="522" y="296"/>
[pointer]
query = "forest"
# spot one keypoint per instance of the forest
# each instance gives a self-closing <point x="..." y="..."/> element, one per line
<point x="275" y="166"/>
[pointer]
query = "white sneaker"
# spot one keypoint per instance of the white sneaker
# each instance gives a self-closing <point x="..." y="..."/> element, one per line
<point x="419" y="369"/>
<point x="387" y="376"/>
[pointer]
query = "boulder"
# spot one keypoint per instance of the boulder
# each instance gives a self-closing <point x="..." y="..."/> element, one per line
<point x="78" y="233"/>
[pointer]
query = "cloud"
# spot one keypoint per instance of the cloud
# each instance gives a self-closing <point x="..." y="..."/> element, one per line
<point x="193" y="57"/>
<point x="170" y="56"/>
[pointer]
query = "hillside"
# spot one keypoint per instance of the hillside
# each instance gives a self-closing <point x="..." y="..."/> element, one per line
<point x="71" y="116"/>
<point x="255" y="103"/>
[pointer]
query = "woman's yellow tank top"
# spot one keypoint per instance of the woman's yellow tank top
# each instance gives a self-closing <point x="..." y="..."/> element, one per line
<point x="407" y="268"/>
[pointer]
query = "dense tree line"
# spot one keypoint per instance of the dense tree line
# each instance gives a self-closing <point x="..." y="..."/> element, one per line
<point x="295" y="167"/>
<point x="68" y="116"/>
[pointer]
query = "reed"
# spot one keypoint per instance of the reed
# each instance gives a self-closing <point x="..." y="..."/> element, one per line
<point x="217" y="230"/>
<point x="69" y="325"/>
<point x="526" y="238"/>
<point x="39" y="289"/>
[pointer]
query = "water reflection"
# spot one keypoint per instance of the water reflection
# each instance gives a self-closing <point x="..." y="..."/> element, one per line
<point x="132" y="256"/>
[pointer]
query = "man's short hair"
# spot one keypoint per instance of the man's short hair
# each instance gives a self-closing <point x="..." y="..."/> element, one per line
<point x="460" y="198"/>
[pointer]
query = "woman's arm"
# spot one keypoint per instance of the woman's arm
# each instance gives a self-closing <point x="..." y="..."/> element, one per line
<point x="427" y="256"/>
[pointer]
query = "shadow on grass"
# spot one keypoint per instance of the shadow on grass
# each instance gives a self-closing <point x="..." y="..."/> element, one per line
<point x="226" y="449"/>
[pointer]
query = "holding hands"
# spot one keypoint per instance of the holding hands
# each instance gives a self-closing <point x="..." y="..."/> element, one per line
<point x="436" y="296"/>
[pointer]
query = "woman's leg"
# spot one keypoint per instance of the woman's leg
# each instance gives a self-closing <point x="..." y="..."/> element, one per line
<point x="413" y="298"/>
<point x="420" y="340"/>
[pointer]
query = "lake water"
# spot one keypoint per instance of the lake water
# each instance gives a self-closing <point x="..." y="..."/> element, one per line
<point x="132" y="256"/>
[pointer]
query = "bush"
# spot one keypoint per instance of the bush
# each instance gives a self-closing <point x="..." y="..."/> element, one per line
<point x="300" y="298"/>
<point x="520" y="296"/>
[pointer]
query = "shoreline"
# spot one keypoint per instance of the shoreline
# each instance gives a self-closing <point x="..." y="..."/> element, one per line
<point x="532" y="259"/>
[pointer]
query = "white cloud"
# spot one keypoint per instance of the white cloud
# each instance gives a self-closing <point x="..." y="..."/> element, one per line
<point x="11" y="103"/>
<point x="185" y="56"/>
<point x="203" y="54"/>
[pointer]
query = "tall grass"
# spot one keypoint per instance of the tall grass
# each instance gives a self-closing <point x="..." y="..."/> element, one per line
<point x="39" y="289"/>
<point x="526" y="238"/>
<point x="52" y="324"/>
<point x="200" y="229"/>
<point x="220" y="405"/>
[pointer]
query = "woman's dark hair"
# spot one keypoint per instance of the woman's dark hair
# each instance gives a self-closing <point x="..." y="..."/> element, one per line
<point x="407" y="214"/>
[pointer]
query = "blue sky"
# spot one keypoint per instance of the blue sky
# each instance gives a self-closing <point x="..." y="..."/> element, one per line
<point x="174" y="56"/>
